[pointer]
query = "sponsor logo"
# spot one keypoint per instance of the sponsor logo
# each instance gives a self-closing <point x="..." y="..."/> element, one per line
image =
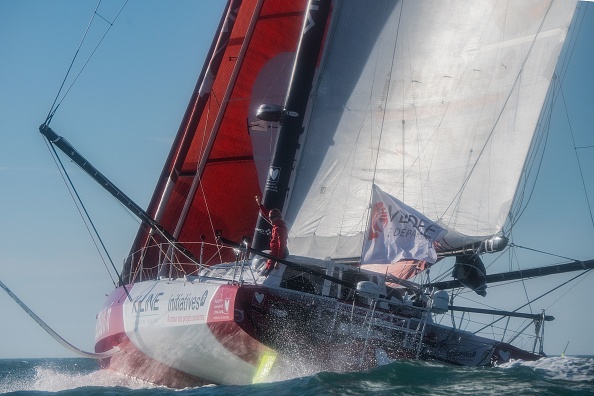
<point x="462" y="354"/>
<point x="380" y="217"/>
<point x="146" y="303"/>
<point x="310" y="20"/>
<point x="273" y="174"/>
<point x="379" y="220"/>
<point x="238" y="315"/>
<point x="186" y="302"/>
<point x="220" y="309"/>
<point x="185" y="308"/>
<point x="259" y="297"/>
<point x="264" y="231"/>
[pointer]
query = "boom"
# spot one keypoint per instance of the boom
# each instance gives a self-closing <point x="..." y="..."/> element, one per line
<point x="522" y="274"/>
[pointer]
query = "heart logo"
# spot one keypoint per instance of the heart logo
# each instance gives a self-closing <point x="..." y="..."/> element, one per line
<point x="273" y="174"/>
<point x="259" y="297"/>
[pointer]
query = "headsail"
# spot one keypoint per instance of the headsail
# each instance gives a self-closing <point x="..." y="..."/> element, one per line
<point x="435" y="101"/>
<point x="213" y="173"/>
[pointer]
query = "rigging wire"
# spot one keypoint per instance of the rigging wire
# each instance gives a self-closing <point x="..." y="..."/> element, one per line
<point x="514" y="257"/>
<point x="57" y="103"/>
<point x="201" y="164"/>
<point x="537" y="298"/>
<point x="575" y="33"/>
<point x="389" y="78"/>
<point x="586" y="273"/>
<point x="369" y="219"/>
<point x="541" y="141"/>
<point x="541" y="251"/>
<point x="96" y="238"/>
<point x="557" y="88"/>
<point x="503" y="107"/>
<point x="81" y="208"/>
<point x="577" y="157"/>
<point x="55" y="106"/>
<point x="460" y="292"/>
<point x="545" y="129"/>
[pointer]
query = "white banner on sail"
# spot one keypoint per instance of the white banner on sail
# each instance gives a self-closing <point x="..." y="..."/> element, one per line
<point x="398" y="232"/>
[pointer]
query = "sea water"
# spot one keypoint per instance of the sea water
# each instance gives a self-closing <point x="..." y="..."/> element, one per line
<point x="548" y="376"/>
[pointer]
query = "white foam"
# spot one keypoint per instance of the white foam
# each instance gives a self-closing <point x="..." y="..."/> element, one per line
<point x="51" y="379"/>
<point x="568" y="368"/>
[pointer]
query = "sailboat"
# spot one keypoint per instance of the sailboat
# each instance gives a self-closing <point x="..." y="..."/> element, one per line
<point x="392" y="136"/>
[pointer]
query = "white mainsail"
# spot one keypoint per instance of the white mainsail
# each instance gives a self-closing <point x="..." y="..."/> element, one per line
<point x="436" y="102"/>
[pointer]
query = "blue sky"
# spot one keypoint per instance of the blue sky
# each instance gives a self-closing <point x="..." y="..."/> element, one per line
<point x="123" y="113"/>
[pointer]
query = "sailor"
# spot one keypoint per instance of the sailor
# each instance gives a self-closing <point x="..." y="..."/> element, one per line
<point x="278" y="239"/>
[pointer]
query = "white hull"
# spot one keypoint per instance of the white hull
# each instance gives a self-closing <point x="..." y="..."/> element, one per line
<point x="189" y="332"/>
<point x="186" y="328"/>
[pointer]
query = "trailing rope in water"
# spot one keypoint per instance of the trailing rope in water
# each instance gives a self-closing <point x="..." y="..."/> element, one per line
<point x="55" y="335"/>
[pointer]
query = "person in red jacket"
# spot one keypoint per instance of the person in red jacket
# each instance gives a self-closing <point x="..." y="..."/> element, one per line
<point x="278" y="239"/>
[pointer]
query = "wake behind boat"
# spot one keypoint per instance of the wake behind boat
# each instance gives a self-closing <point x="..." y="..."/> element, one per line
<point x="391" y="136"/>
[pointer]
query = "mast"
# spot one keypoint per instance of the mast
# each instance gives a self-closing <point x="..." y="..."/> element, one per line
<point x="293" y="114"/>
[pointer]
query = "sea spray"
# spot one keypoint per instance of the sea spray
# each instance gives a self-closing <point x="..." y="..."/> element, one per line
<point x="57" y="375"/>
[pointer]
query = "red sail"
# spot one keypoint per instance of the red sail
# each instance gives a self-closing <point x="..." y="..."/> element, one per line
<point x="210" y="178"/>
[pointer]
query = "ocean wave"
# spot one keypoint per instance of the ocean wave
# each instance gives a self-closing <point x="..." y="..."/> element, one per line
<point x="548" y="376"/>
<point x="565" y="368"/>
<point x="55" y="375"/>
